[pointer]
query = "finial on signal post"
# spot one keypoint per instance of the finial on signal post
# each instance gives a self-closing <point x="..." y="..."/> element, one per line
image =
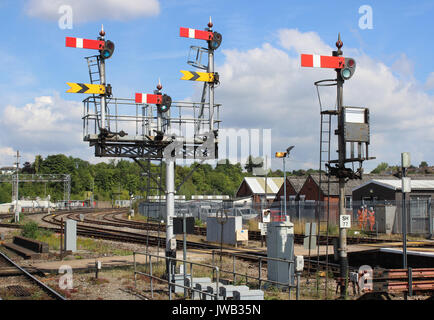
<point x="102" y="32"/>
<point x="210" y="23"/>
<point x="339" y="44"/>
<point x="159" y="86"/>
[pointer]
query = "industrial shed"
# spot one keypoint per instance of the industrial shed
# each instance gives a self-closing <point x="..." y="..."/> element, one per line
<point x="293" y="186"/>
<point x="390" y="189"/>
<point x="380" y="193"/>
<point x="255" y="187"/>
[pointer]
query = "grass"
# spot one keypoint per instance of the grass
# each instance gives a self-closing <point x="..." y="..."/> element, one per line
<point x="138" y="217"/>
<point x="87" y="244"/>
<point x="199" y="223"/>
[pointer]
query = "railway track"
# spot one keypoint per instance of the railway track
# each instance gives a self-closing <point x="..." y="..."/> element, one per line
<point x="95" y="224"/>
<point x="114" y="218"/>
<point x="23" y="286"/>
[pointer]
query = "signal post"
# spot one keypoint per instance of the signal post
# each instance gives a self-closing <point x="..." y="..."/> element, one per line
<point x="103" y="122"/>
<point x="352" y="129"/>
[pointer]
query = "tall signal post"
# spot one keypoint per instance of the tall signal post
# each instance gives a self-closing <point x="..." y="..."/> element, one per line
<point x="352" y="129"/>
<point x="17" y="209"/>
<point x="143" y="128"/>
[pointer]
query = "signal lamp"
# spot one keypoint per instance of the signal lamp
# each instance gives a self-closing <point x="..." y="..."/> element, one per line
<point x="280" y="154"/>
<point x="107" y="51"/>
<point x="348" y="70"/>
<point x="216" y="41"/>
<point x="165" y="104"/>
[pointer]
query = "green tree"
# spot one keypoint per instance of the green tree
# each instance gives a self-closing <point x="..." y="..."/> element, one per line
<point x="423" y="164"/>
<point x="380" y="168"/>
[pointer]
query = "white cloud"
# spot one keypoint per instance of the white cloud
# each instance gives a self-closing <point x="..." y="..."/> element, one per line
<point x="48" y="125"/>
<point x="403" y="66"/>
<point x="429" y="84"/>
<point x="7" y="155"/>
<point x="84" y="10"/>
<point x="265" y="87"/>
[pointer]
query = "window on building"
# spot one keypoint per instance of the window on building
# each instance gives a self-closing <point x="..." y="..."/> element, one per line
<point x="348" y="202"/>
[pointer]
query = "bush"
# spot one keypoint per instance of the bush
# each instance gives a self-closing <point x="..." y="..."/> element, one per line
<point x="199" y="223"/>
<point x="30" y="230"/>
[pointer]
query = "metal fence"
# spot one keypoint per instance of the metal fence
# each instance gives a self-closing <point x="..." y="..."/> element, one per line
<point x="199" y="209"/>
<point x="387" y="215"/>
<point x="372" y="216"/>
<point x="215" y="272"/>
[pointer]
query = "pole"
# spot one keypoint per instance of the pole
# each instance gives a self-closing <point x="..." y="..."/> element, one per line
<point x="266" y="204"/>
<point x="284" y="185"/>
<point x="184" y="248"/>
<point x="211" y="85"/>
<point x="404" y="225"/>
<point x="61" y="238"/>
<point x="342" y="153"/>
<point x="17" y="211"/>
<point x="103" y="82"/>
<point x="170" y="209"/>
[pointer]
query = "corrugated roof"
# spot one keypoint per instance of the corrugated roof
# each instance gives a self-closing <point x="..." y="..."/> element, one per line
<point x="257" y="184"/>
<point x="296" y="182"/>
<point x="350" y="185"/>
<point x="396" y="184"/>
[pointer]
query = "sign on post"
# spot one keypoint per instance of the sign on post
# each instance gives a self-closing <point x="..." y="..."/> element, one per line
<point x="85" y="88"/>
<point x="345" y="221"/>
<point x="406" y="184"/>
<point x="197" y="76"/>
<point x="263" y="227"/>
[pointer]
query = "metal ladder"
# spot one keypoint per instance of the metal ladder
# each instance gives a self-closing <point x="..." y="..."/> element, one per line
<point x="324" y="179"/>
<point x="93" y="64"/>
<point x="94" y="69"/>
<point x="153" y="188"/>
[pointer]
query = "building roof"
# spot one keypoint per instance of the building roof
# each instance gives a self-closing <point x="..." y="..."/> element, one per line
<point x="350" y="185"/>
<point x="210" y="197"/>
<point x="257" y="184"/>
<point x="297" y="182"/>
<point x="396" y="184"/>
<point x="8" y="168"/>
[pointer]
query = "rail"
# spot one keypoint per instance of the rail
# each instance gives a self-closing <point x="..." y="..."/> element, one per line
<point x="35" y="280"/>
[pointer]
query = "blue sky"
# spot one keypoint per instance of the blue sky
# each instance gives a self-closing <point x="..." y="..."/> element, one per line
<point x="35" y="63"/>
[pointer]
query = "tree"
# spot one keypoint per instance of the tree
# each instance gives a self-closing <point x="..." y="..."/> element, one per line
<point x="27" y="168"/>
<point x="423" y="164"/>
<point x="37" y="163"/>
<point x="380" y="168"/>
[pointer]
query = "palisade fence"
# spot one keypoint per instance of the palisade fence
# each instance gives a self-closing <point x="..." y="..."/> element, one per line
<point x="387" y="214"/>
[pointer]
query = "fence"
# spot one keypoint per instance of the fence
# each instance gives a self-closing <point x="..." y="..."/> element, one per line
<point x="373" y="216"/>
<point x="199" y="209"/>
<point x="387" y="214"/>
<point x="215" y="273"/>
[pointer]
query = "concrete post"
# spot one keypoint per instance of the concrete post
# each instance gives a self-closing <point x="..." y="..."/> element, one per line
<point x="170" y="208"/>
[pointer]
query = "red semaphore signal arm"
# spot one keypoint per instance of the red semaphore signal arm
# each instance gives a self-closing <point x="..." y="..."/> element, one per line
<point x="84" y="43"/>
<point x="317" y="61"/>
<point x="195" y="34"/>
<point x="149" y="98"/>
